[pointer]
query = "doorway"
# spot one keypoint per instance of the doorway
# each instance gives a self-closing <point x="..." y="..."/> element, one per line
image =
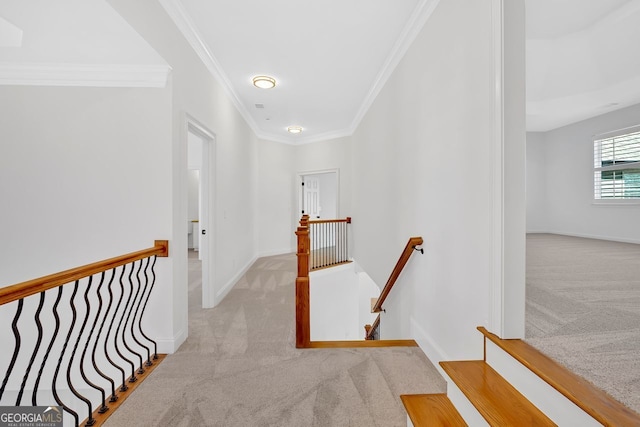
<point x="200" y="150"/>
<point x="318" y="196"/>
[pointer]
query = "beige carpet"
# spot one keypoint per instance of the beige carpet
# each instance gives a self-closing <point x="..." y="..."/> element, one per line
<point x="239" y="367"/>
<point x="583" y="309"/>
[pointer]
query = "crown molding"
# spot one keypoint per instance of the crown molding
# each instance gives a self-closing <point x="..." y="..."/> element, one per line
<point x="91" y="75"/>
<point x="326" y="136"/>
<point x="187" y="27"/>
<point x="10" y="35"/>
<point x="300" y="140"/>
<point x="420" y="15"/>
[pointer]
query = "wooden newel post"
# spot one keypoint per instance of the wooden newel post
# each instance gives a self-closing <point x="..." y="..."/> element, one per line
<point x="303" y="329"/>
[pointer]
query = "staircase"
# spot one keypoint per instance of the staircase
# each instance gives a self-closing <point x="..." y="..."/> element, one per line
<point x="515" y="385"/>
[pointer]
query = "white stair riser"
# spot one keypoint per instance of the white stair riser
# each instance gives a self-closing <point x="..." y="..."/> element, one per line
<point x="555" y="406"/>
<point x="466" y="409"/>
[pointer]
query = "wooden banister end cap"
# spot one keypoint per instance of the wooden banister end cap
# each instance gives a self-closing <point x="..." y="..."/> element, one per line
<point x="165" y="246"/>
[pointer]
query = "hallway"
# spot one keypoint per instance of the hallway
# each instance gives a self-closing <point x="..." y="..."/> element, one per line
<point x="239" y="367"/>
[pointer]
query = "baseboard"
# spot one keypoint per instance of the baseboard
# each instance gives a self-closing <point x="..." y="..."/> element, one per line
<point x="231" y="282"/>
<point x="276" y="252"/>
<point x="589" y="236"/>
<point x="433" y="351"/>
<point x="171" y="345"/>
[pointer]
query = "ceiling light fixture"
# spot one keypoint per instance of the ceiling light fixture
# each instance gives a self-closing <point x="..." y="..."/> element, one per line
<point x="264" y="82"/>
<point x="294" y="129"/>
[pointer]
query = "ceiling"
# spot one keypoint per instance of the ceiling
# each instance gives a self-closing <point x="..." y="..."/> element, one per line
<point x="329" y="58"/>
<point x="73" y="43"/>
<point x="582" y="59"/>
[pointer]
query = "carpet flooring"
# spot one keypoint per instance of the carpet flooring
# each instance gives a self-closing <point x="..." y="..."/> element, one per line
<point x="583" y="309"/>
<point x="240" y="367"/>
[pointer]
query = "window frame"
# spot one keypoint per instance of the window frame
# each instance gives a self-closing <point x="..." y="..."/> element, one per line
<point x="598" y="168"/>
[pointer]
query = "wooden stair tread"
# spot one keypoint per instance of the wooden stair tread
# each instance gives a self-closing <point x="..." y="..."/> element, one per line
<point x="362" y="343"/>
<point x="431" y="410"/>
<point x="594" y="401"/>
<point x="497" y="401"/>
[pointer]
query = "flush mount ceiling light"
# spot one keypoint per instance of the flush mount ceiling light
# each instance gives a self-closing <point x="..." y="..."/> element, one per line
<point x="264" y="82"/>
<point x="294" y="129"/>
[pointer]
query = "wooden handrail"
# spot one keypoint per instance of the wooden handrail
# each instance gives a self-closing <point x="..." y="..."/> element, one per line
<point x="372" y="328"/>
<point x="327" y="221"/>
<point x="402" y="261"/>
<point x="35" y="286"/>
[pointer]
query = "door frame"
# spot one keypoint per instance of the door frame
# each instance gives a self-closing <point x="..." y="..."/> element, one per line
<point x="207" y="203"/>
<point x="300" y="197"/>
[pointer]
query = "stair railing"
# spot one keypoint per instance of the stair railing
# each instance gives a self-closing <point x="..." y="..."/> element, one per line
<point x="329" y="242"/>
<point x="372" y="332"/>
<point x="321" y="244"/>
<point x="303" y="316"/>
<point x="412" y="245"/>
<point x="78" y="336"/>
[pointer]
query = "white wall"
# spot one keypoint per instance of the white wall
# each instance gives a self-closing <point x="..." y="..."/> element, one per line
<point x="328" y="195"/>
<point x="567" y="198"/>
<point x="234" y="159"/>
<point x="368" y="289"/>
<point x="424" y="166"/>
<point x="279" y="165"/>
<point x="123" y="154"/>
<point x="334" y="304"/>
<point x="326" y="155"/>
<point x="85" y="175"/>
<point x="276" y="200"/>
<point x="537" y="181"/>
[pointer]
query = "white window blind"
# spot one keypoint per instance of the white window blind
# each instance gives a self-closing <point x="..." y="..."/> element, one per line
<point x="616" y="168"/>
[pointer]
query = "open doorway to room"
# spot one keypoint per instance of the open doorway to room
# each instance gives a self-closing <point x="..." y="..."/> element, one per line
<point x="199" y="215"/>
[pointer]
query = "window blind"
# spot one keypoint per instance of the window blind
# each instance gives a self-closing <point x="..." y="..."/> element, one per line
<point x="617" y="167"/>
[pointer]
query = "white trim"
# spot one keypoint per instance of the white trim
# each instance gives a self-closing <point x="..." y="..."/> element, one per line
<point x="496" y="320"/>
<point x="321" y="137"/>
<point x="616" y="132"/>
<point x="316" y="172"/>
<point x="187" y="27"/>
<point x="421" y="14"/>
<point x="88" y="75"/>
<point x="209" y="158"/>
<point x="589" y="236"/>
<point x="171" y="345"/>
<point x="231" y="282"/>
<point x="429" y="346"/>
<point x="615" y="202"/>
<point x="10" y="34"/>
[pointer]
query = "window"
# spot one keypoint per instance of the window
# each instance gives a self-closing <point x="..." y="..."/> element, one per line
<point x="617" y="166"/>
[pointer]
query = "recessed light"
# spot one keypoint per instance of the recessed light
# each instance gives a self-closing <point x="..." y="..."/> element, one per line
<point x="294" y="129"/>
<point x="264" y="82"/>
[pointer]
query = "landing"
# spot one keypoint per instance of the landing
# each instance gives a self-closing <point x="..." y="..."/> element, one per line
<point x="240" y="367"/>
